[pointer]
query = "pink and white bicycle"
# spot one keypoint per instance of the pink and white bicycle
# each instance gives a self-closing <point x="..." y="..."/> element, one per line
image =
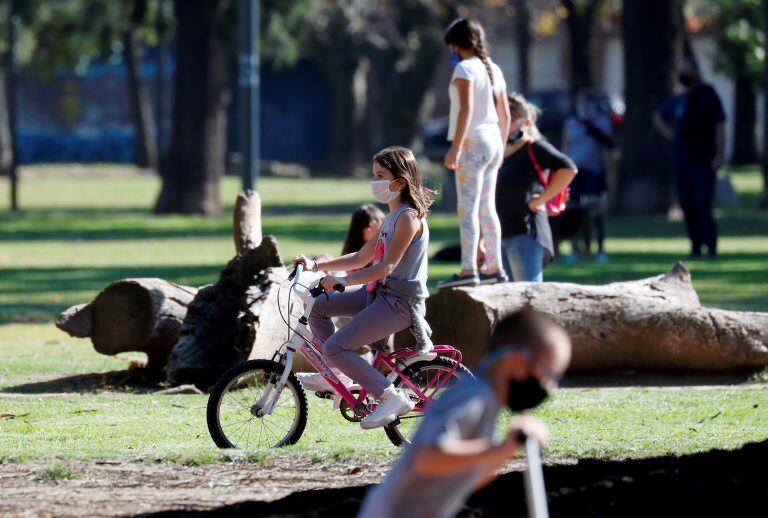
<point x="261" y="403"/>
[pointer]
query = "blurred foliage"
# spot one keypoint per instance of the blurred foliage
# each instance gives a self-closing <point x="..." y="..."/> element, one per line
<point x="74" y="33"/>
<point x="741" y="40"/>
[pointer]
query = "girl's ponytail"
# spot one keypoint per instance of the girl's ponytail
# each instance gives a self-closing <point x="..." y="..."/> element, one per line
<point x="469" y="34"/>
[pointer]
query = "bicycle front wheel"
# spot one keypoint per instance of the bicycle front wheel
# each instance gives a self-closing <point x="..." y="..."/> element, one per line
<point x="432" y="378"/>
<point x="235" y="404"/>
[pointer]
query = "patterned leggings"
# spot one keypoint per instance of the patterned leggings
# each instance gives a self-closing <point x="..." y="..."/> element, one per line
<point x="476" y="189"/>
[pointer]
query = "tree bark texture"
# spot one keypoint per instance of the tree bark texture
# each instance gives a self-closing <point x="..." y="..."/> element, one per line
<point x="744" y="122"/>
<point x="142" y="315"/>
<point x="143" y="121"/>
<point x="649" y="68"/>
<point x="650" y="324"/>
<point x="246" y="228"/>
<point x="197" y="154"/>
<point x="226" y="318"/>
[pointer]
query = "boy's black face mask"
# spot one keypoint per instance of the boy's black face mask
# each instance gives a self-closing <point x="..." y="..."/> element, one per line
<point x="524" y="395"/>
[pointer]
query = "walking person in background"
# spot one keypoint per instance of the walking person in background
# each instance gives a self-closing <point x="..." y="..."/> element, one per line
<point x="586" y="133"/>
<point x="694" y="121"/>
<point x="521" y="198"/>
<point x="478" y="128"/>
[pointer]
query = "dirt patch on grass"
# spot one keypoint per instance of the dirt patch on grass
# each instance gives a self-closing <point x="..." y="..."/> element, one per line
<point x="113" y="488"/>
<point x="715" y="483"/>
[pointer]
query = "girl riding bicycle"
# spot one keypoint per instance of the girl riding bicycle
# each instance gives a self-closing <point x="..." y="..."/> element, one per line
<point x="385" y="297"/>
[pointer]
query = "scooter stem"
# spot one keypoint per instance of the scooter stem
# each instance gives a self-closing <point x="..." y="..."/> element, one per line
<point x="535" y="493"/>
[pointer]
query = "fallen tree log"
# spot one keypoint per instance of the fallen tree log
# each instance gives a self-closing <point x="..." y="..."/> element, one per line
<point x="649" y="324"/>
<point x="227" y="318"/>
<point x="142" y="315"/>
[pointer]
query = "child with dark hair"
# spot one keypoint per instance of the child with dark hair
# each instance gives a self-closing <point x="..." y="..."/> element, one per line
<point x="478" y="128"/>
<point x="453" y="453"/>
<point x="365" y="224"/>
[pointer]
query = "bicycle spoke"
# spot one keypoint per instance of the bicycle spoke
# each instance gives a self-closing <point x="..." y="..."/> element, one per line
<point x="235" y="416"/>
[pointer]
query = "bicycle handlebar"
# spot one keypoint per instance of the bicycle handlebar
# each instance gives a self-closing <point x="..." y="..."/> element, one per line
<point x="296" y="271"/>
<point x="319" y="290"/>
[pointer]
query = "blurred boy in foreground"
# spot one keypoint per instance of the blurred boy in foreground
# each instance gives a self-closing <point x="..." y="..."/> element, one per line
<point x="453" y="453"/>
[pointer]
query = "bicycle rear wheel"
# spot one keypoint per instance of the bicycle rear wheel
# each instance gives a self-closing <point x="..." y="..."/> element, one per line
<point x="429" y="377"/>
<point x="233" y="408"/>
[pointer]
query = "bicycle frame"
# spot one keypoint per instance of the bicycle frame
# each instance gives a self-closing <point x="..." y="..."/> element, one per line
<point x="303" y="340"/>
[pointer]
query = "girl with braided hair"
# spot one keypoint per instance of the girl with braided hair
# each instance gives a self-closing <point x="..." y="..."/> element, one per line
<point x="478" y="129"/>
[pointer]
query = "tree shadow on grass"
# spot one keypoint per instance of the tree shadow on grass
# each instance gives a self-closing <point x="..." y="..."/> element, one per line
<point x="129" y="380"/>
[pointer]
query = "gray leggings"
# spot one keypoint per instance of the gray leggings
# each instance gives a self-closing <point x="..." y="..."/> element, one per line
<point x="372" y="322"/>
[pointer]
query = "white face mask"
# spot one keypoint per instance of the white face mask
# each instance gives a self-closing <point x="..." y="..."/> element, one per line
<point x="380" y="191"/>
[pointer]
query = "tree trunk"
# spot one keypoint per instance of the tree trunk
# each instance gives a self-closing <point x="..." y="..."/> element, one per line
<point x="580" y="25"/>
<point x="744" y="122"/>
<point x="6" y="143"/>
<point x="142" y="315"/>
<point x="654" y="324"/>
<point x="197" y="154"/>
<point x="225" y="319"/>
<point x="763" y="203"/>
<point x="146" y="141"/>
<point x="523" y="22"/>
<point x="649" y="71"/>
<point x="346" y="145"/>
<point x="401" y="93"/>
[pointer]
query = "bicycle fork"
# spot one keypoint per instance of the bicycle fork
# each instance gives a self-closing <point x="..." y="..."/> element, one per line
<point x="266" y="404"/>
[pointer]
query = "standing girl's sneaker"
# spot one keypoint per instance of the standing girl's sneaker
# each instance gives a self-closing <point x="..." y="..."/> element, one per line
<point x="457" y="281"/>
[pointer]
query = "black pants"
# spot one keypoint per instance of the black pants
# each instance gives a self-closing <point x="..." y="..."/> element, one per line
<point x="696" y="190"/>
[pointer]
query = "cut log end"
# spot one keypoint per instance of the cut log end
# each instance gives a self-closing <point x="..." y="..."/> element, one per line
<point x="122" y="317"/>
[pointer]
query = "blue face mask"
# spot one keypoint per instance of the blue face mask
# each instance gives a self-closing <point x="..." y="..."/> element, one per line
<point x="454" y="58"/>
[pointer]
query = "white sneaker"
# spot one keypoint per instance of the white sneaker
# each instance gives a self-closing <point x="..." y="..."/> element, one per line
<point x="316" y="382"/>
<point x="393" y="404"/>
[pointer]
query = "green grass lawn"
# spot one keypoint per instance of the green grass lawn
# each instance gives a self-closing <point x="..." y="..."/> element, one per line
<point x="80" y="230"/>
<point x="51" y="421"/>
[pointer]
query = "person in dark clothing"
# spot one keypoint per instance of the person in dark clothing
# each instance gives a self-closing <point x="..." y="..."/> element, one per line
<point x="694" y="121"/>
<point x="521" y="198"/>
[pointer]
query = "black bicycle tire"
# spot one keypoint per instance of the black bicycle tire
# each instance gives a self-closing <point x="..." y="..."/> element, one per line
<point x="391" y="430"/>
<point x="214" y="427"/>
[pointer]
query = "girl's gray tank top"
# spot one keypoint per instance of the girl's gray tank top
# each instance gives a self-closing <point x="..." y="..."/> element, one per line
<point x="410" y="275"/>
